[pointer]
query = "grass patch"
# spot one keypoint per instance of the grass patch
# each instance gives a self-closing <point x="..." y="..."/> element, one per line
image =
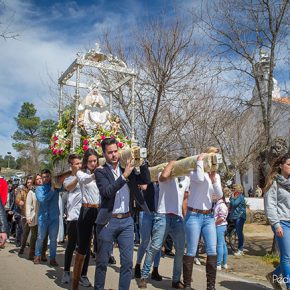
<point x="271" y="259"/>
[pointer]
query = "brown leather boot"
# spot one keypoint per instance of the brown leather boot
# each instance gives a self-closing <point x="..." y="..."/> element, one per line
<point x="211" y="264"/>
<point x="36" y="260"/>
<point x="31" y="254"/>
<point x="187" y="271"/>
<point x="78" y="266"/>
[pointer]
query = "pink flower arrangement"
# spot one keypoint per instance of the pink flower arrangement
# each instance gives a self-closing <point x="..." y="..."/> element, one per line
<point x="86" y="147"/>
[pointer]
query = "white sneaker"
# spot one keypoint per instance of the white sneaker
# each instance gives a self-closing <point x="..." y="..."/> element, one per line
<point x="239" y="253"/>
<point x="84" y="281"/>
<point x="66" y="277"/>
<point x="219" y="268"/>
<point x="197" y="261"/>
<point x="225" y="266"/>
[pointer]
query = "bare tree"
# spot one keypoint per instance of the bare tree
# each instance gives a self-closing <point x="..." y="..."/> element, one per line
<point x="167" y="62"/>
<point x="5" y="26"/>
<point x="240" y="29"/>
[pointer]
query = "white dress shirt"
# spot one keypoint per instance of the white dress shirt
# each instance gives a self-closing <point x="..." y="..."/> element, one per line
<point x="88" y="186"/>
<point x="74" y="200"/>
<point x="122" y="198"/>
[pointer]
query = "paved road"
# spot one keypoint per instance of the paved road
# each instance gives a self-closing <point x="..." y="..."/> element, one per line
<point x="19" y="273"/>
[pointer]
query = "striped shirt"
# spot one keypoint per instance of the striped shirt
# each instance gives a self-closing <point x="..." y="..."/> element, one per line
<point x="221" y="212"/>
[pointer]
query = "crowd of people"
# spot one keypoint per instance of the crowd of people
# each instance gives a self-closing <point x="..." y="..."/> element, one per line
<point x="102" y="201"/>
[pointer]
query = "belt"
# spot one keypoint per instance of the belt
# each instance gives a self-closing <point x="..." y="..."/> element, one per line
<point x="121" y="215"/>
<point x="89" y="205"/>
<point x="208" y="211"/>
<point x="171" y="214"/>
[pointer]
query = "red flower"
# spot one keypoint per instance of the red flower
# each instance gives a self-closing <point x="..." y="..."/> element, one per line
<point x="103" y="137"/>
<point x="60" y="151"/>
<point x="85" y="147"/>
<point x="55" y="151"/>
<point x="86" y="142"/>
<point x="120" y="144"/>
<point x="98" y="144"/>
<point x="55" y="138"/>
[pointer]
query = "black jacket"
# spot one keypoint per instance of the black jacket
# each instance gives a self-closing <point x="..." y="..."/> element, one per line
<point x="108" y="187"/>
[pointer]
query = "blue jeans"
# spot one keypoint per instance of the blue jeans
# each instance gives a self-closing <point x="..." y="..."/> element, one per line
<point x="146" y="225"/>
<point x="195" y="224"/>
<point x="164" y="224"/>
<point x="122" y="231"/>
<point x="222" y="250"/>
<point x="239" y="225"/>
<point x="284" y="248"/>
<point x="50" y="227"/>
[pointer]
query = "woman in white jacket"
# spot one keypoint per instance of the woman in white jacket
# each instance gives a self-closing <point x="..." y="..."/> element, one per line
<point x="31" y="217"/>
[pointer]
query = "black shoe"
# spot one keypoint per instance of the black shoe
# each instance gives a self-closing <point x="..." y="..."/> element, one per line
<point x="21" y="252"/>
<point x="137" y="273"/>
<point x="112" y="260"/>
<point x="155" y="275"/>
<point x="18" y="244"/>
<point x="177" y="285"/>
<point x="170" y="254"/>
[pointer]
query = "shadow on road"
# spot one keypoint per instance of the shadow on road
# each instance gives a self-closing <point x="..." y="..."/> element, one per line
<point x="240" y="285"/>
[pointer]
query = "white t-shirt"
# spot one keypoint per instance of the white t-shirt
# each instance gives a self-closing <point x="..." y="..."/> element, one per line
<point x="74" y="200"/>
<point x="171" y="194"/>
<point x="89" y="189"/>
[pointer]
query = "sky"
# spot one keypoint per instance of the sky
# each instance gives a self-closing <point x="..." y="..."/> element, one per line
<point x="50" y="33"/>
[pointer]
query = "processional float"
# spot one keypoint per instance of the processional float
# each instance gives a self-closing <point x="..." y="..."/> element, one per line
<point x="90" y="119"/>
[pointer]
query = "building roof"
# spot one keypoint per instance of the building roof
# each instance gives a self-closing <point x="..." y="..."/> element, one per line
<point x="282" y="100"/>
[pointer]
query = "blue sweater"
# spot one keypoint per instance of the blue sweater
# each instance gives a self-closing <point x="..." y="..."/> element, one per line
<point x="48" y="202"/>
<point x="237" y="207"/>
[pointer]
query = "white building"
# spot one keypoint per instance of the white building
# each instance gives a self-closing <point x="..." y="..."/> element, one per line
<point x="281" y="119"/>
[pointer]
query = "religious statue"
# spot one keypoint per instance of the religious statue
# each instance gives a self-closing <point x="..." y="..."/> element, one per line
<point x="93" y="111"/>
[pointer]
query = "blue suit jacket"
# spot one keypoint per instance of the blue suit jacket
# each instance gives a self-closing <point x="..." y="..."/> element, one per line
<point x="108" y="187"/>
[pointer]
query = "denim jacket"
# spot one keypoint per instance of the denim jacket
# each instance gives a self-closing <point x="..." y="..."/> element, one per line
<point x="48" y="202"/>
<point x="237" y="207"/>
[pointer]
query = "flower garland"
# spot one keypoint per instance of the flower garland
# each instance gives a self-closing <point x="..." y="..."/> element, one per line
<point x="59" y="143"/>
<point x="94" y="140"/>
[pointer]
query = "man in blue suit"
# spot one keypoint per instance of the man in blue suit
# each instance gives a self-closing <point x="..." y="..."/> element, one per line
<point x="118" y="189"/>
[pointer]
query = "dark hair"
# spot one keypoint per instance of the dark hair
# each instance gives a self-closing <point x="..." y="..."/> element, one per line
<point x="73" y="156"/>
<point x="28" y="178"/>
<point x="275" y="169"/>
<point x="108" y="141"/>
<point x="45" y="171"/>
<point x="180" y="158"/>
<point x="87" y="154"/>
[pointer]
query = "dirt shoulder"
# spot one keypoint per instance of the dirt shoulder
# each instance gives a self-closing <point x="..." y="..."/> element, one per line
<point x="258" y="242"/>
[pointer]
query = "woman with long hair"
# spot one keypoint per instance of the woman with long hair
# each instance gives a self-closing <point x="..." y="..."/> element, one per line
<point x="31" y="217"/>
<point x="238" y="215"/>
<point x="220" y="216"/>
<point x="277" y="208"/>
<point x="88" y="214"/>
<point x="200" y="219"/>
<point x="21" y="202"/>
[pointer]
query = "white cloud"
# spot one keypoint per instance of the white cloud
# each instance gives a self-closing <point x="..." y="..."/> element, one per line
<point x="42" y="51"/>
